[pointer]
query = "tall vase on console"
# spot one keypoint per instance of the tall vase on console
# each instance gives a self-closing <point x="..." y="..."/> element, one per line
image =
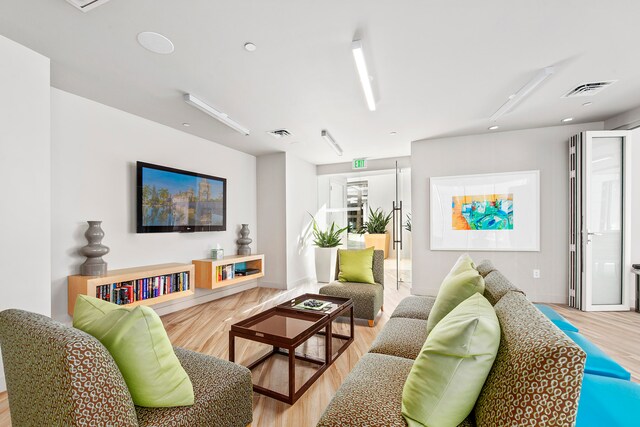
<point x="244" y="241"/>
<point x="94" y="251"/>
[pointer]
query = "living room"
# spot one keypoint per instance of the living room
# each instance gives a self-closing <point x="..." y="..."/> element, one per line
<point x="281" y="110"/>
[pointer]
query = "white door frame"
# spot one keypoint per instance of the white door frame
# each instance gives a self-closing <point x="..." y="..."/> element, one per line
<point x="587" y="294"/>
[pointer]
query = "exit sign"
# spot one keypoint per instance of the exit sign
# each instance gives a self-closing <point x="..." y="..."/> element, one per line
<point x="359" y="164"/>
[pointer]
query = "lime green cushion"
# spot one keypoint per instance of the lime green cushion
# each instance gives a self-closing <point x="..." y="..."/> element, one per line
<point x="455" y="288"/>
<point x="448" y="374"/>
<point x="464" y="263"/>
<point x="356" y="265"/>
<point x="138" y="343"/>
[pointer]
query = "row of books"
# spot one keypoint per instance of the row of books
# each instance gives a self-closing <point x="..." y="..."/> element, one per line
<point x="225" y="272"/>
<point x="142" y="289"/>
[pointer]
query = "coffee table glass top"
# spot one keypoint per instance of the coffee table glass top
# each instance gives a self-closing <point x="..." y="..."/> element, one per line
<point x="279" y="324"/>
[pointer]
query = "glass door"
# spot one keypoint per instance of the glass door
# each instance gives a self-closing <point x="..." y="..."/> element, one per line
<point x="604" y="225"/>
<point x="401" y="227"/>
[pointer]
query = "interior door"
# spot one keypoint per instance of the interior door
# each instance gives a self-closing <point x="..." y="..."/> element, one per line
<point x="605" y="219"/>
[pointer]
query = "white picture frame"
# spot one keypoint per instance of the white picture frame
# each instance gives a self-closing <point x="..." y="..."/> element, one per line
<point x="514" y="197"/>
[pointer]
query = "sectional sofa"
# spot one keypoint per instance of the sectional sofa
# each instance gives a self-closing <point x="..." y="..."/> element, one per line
<point x="536" y="380"/>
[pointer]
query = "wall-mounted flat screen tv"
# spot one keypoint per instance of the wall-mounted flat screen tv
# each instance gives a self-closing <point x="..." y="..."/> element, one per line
<point x="173" y="200"/>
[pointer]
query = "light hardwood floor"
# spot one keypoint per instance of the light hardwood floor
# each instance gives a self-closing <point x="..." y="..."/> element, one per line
<point x="205" y="329"/>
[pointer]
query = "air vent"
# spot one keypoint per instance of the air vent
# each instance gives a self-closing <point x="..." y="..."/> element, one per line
<point x="279" y="133"/>
<point x="589" y="89"/>
<point x="87" y="5"/>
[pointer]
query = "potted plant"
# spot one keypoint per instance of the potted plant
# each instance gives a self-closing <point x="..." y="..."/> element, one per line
<point x="376" y="230"/>
<point x="327" y="242"/>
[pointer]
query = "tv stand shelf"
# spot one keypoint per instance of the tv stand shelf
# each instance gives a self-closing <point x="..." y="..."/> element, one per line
<point x="87" y="285"/>
<point x="207" y="274"/>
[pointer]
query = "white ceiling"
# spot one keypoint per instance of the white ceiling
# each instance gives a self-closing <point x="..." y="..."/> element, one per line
<point x="440" y="67"/>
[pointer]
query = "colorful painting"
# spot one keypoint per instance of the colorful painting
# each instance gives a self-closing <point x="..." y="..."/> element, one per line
<point x="482" y="212"/>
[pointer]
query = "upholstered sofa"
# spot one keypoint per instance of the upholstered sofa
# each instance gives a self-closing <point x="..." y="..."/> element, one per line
<point x="60" y="376"/>
<point x="535" y="381"/>
<point x="368" y="298"/>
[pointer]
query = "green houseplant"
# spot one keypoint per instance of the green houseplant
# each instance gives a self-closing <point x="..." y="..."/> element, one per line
<point x="326" y="242"/>
<point x="376" y="230"/>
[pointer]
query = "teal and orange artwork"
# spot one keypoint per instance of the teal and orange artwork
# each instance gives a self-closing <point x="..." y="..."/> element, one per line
<point x="482" y="212"/>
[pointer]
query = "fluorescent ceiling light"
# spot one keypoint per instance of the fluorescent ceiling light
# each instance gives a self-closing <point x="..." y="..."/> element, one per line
<point x="524" y="91"/>
<point x="205" y="108"/>
<point x="568" y="119"/>
<point x="332" y="142"/>
<point x="494" y="127"/>
<point x="363" y="73"/>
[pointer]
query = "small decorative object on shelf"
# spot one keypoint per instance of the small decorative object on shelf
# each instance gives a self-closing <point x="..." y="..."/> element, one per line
<point x="94" y="251"/>
<point x="217" y="253"/>
<point x="244" y="241"/>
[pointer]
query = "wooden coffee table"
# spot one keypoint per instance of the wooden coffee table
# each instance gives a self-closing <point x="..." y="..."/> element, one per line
<point x="286" y="327"/>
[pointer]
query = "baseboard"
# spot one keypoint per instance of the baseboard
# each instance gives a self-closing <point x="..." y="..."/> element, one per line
<point x="273" y="285"/>
<point x="300" y="282"/>
<point x="203" y="296"/>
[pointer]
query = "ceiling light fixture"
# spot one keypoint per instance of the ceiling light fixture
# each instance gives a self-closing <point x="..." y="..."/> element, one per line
<point x="567" y="120"/>
<point x="494" y="127"/>
<point x="586" y="104"/>
<point x="186" y="124"/>
<point x="332" y="142"/>
<point x="224" y="118"/>
<point x="156" y="43"/>
<point x="363" y="73"/>
<point x="250" y="47"/>
<point x="524" y="91"/>
<point x="393" y="133"/>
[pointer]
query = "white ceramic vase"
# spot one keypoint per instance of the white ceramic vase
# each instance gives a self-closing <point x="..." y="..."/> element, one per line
<point x="326" y="264"/>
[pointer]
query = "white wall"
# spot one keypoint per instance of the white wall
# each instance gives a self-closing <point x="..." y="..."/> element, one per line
<point x="94" y="150"/>
<point x="272" y="218"/>
<point x="302" y="200"/>
<point x="544" y="149"/>
<point x="25" y="155"/>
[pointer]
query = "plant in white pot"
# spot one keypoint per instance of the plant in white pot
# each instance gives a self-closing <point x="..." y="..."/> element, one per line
<point x="327" y="242"/>
<point x="376" y="230"/>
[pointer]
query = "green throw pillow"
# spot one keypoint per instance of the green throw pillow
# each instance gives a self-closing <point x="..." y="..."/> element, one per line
<point x="455" y="288"/>
<point x="138" y="343"/>
<point x="449" y="373"/>
<point x="356" y="265"/>
<point x="463" y="263"/>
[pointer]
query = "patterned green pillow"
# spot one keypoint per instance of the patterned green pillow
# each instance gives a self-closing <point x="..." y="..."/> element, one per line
<point x="459" y="285"/>
<point x="138" y="343"/>
<point x="356" y="265"/>
<point x="449" y="373"/>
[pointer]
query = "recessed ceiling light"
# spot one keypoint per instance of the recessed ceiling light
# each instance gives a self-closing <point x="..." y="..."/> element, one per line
<point x="494" y="127"/>
<point x="586" y="104"/>
<point x="186" y="125"/>
<point x="393" y="133"/>
<point x="568" y="119"/>
<point x="156" y="43"/>
<point x="250" y="47"/>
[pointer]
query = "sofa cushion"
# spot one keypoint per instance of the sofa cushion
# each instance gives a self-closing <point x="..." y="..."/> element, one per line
<point x="454" y="289"/>
<point x="371" y="395"/>
<point x="401" y="337"/>
<point x="598" y="362"/>
<point x="414" y="307"/>
<point x="496" y="286"/>
<point x="367" y="298"/>
<point x="526" y="385"/>
<point x="356" y="265"/>
<point x="485" y="267"/>
<point x="136" y="339"/>
<point x="454" y="362"/>
<point x="608" y="402"/>
<point x="223" y="395"/>
<point x="464" y="263"/>
<point x="556" y="318"/>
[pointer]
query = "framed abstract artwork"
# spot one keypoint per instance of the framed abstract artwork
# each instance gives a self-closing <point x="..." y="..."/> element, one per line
<point x="488" y="212"/>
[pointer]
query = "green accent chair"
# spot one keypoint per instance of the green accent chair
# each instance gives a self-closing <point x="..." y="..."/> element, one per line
<point x="60" y="376"/>
<point x="368" y="298"/>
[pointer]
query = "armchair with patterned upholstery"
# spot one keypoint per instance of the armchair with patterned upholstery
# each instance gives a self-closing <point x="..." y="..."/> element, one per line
<point x="60" y="376"/>
<point x="368" y="298"/>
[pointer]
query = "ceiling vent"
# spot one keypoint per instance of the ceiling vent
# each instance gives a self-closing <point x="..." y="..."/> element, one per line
<point x="279" y="133"/>
<point x="87" y="5"/>
<point x="589" y="89"/>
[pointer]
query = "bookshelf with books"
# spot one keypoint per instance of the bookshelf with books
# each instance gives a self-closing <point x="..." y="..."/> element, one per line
<point x="231" y="270"/>
<point x="146" y="285"/>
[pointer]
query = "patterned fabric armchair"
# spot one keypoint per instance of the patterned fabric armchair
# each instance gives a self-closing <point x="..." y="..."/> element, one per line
<point x="368" y="298"/>
<point x="60" y="376"/>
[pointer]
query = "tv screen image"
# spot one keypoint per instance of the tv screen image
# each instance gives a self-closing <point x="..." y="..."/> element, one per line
<point x="176" y="200"/>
